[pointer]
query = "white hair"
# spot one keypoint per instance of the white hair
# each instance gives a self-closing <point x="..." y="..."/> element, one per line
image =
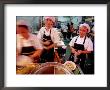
<point x="86" y="25"/>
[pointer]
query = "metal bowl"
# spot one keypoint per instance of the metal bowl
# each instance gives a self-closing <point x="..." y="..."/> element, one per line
<point x="52" y="68"/>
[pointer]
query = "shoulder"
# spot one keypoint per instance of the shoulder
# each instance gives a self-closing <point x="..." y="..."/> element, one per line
<point x="88" y="39"/>
<point x="54" y="29"/>
<point x="74" y="38"/>
<point x="42" y="29"/>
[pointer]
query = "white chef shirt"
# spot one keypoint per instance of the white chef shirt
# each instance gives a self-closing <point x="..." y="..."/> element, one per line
<point x="54" y="34"/>
<point x="31" y="41"/>
<point x="88" y="45"/>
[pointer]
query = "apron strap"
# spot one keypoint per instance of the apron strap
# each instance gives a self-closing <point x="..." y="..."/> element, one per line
<point x="76" y="39"/>
<point x="84" y="40"/>
<point x="50" y="30"/>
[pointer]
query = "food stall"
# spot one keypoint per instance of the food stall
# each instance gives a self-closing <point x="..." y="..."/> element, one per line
<point x="25" y="66"/>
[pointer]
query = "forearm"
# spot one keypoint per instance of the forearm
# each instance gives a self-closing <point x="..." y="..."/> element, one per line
<point x="85" y="52"/>
<point x="37" y="53"/>
<point x="71" y="48"/>
<point x="17" y="52"/>
<point x="52" y="46"/>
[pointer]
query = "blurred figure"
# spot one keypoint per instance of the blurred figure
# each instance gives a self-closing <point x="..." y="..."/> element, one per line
<point x="81" y="45"/>
<point x="27" y="43"/>
<point x="68" y="25"/>
<point x="70" y="31"/>
<point x="64" y="29"/>
<point x="49" y="37"/>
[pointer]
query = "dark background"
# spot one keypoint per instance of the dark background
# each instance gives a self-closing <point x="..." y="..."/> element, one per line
<point x="56" y="1"/>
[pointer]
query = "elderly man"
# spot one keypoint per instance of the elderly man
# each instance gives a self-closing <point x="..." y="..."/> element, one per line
<point x="49" y="37"/>
<point x="81" y="45"/>
<point x="27" y="43"/>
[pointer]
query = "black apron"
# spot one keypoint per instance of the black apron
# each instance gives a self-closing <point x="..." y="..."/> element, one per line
<point x="28" y="50"/>
<point x="47" y="55"/>
<point x="80" y="58"/>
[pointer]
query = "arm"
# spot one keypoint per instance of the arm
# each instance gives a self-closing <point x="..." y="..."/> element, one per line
<point x="36" y="54"/>
<point x="86" y="52"/>
<point x="18" y="44"/>
<point x="71" y="44"/>
<point x="72" y="50"/>
<point x="38" y="46"/>
<point x="51" y="46"/>
<point x="88" y="49"/>
<point x="83" y="52"/>
<point x="17" y="52"/>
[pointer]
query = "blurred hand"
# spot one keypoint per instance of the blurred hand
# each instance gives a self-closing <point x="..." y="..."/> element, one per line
<point x="47" y="48"/>
<point x="73" y="50"/>
<point x="79" y="52"/>
<point x="46" y="43"/>
<point x="17" y="53"/>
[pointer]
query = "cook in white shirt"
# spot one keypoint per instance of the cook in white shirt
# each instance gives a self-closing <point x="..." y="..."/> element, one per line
<point x="27" y="43"/>
<point x="49" y="37"/>
<point x="81" y="45"/>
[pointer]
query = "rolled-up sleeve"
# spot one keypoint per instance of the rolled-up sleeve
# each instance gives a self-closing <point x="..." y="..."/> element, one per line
<point x="18" y="42"/>
<point x="56" y="37"/>
<point x="72" y="42"/>
<point x="89" y="46"/>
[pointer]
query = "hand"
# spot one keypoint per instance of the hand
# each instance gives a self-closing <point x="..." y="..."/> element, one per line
<point x="46" y="43"/>
<point x="47" y="48"/>
<point x="73" y="50"/>
<point x="17" y="53"/>
<point x="31" y="56"/>
<point x="79" y="52"/>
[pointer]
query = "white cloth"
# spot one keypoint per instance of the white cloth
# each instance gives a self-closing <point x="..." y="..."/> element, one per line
<point x="88" y="45"/>
<point x="54" y="34"/>
<point x="31" y="41"/>
<point x="50" y="17"/>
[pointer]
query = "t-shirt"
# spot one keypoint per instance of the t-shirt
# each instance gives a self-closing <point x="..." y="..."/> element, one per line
<point x="88" y="45"/>
<point x="54" y="34"/>
<point x="31" y="41"/>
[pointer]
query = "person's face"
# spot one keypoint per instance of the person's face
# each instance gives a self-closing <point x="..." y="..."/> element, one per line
<point x="48" y="23"/>
<point x="24" y="32"/>
<point x="83" y="31"/>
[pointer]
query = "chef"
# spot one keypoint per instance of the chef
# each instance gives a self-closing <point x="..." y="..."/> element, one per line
<point x="27" y="43"/>
<point x="81" y="45"/>
<point x="49" y="37"/>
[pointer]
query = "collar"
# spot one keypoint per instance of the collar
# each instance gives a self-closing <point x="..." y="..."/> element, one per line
<point x="47" y="29"/>
<point x="82" y="37"/>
